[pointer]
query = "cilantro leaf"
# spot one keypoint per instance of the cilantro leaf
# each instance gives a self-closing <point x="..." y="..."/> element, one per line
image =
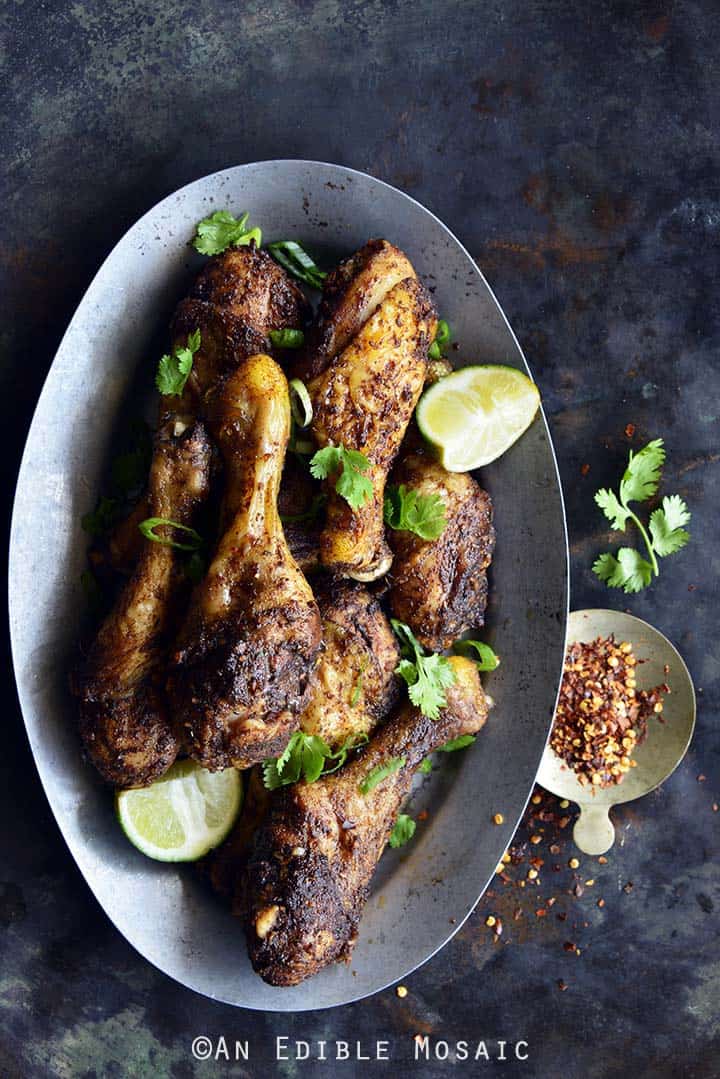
<point x="642" y="474"/>
<point x="406" y="510"/>
<point x="616" y="513"/>
<point x="305" y="757"/>
<point x="174" y="370"/>
<point x="488" y="661"/>
<point x="457" y="743"/>
<point x="628" y="571"/>
<point x="380" y="772"/>
<point x="350" y="484"/>
<point x="427" y="676"/>
<point x="221" y="230"/>
<point x="403" y="831"/>
<point x="101" y="519"/>
<point x="666" y="525"/>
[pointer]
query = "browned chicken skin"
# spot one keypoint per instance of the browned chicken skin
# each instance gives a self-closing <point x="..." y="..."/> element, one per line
<point x="354" y="689"/>
<point x="439" y="587"/>
<point x="252" y="634"/>
<point x="364" y="401"/>
<point x="309" y="873"/>
<point x="350" y="295"/>
<point x="354" y="686"/>
<point x="123" y="716"/>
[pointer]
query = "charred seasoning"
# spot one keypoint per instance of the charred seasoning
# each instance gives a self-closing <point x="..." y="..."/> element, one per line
<point x="601" y="715"/>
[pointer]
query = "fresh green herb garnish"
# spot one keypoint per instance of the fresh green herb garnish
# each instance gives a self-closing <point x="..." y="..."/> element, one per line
<point x="148" y="526"/>
<point x="287" y="338"/>
<point x="129" y="469"/>
<point x="300" y="403"/>
<point x="310" y="514"/>
<point x="427" y="676"/>
<point x="221" y="230"/>
<point x="102" y="518"/>
<point x="93" y="592"/>
<point x="351" y="485"/>
<point x="357" y="688"/>
<point x="426" y="766"/>
<point x="442" y="340"/>
<point x="306" y="757"/>
<point x="297" y="262"/>
<point x="379" y="773"/>
<point x="173" y="371"/>
<point x="487" y="661"/>
<point x="457" y="743"/>
<point x="195" y="567"/>
<point x="629" y="570"/>
<point x="403" y="831"/>
<point x="407" y="511"/>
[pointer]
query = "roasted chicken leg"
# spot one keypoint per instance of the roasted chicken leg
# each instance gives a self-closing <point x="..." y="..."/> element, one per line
<point x="123" y="716"/>
<point x="439" y="587"/>
<point x="251" y="637"/>
<point x="309" y="873"/>
<point x="364" y="401"/>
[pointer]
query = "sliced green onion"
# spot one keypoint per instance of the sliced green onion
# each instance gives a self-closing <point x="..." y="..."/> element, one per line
<point x="252" y="234"/>
<point x="287" y="338"/>
<point x="442" y="340"/>
<point x="300" y="403"/>
<point x="148" y="526"/>
<point x="297" y="262"/>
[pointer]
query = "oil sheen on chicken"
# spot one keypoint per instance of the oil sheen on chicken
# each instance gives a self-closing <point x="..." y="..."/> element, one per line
<point x="249" y="643"/>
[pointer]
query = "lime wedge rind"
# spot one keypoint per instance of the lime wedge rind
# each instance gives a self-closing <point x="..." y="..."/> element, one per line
<point x="183" y="815"/>
<point x="473" y="415"/>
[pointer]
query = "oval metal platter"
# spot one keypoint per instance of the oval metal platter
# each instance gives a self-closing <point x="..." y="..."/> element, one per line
<point x="423" y="893"/>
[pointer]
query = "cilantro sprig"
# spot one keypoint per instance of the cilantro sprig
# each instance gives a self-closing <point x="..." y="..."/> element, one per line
<point x="666" y="533"/>
<point x="221" y="230"/>
<point x="348" y="466"/>
<point x="403" y="831"/>
<point x="307" y="756"/>
<point x="380" y="772"/>
<point x="427" y="676"/>
<point x="174" y="370"/>
<point x="406" y="510"/>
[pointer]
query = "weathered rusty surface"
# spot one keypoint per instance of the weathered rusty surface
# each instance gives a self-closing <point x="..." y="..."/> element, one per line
<point x="577" y="157"/>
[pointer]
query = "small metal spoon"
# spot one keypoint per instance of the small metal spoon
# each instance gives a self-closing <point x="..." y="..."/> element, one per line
<point x="666" y="743"/>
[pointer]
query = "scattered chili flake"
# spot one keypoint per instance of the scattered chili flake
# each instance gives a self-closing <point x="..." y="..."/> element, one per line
<point x="562" y="986"/>
<point x="601" y="714"/>
<point x="630" y="430"/>
<point x="569" y="946"/>
<point x="423" y="814"/>
<point x="584" y="470"/>
<point x="701" y="778"/>
<point x="602" y="860"/>
<point x="601" y="902"/>
<point x="541" y="913"/>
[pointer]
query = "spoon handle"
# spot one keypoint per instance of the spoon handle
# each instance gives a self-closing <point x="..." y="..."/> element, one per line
<point x="594" y="832"/>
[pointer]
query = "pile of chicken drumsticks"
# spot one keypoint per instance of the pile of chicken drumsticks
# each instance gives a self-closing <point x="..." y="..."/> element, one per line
<point x="273" y="638"/>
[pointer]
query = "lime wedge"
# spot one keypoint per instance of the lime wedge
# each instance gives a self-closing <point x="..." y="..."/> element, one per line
<point x="473" y="415"/>
<point x="182" y="816"/>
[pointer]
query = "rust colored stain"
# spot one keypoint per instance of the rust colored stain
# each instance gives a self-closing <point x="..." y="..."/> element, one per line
<point x="658" y="28"/>
<point x="491" y="95"/>
<point x="561" y="249"/>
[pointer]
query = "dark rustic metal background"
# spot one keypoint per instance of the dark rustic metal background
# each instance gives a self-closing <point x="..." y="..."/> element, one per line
<point x="574" y="148"/>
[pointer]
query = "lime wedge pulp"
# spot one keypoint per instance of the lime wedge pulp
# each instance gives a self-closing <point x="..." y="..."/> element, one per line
<point x="183" y="815"/>
<point x="474" y="415"/>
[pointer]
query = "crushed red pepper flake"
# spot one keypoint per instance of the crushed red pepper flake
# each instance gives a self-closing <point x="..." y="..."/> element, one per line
<point x="601" y="714"/>
<point x="630" y="430"/>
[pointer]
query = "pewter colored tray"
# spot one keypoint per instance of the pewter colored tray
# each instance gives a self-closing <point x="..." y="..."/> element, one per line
<point x="423" y="893"/>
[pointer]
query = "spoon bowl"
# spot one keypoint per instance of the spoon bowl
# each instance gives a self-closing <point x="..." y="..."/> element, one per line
<point x="666" y="743"/>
